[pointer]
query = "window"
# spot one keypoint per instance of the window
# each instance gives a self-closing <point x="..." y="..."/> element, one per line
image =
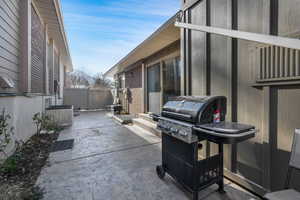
<point x="171" y="79"/>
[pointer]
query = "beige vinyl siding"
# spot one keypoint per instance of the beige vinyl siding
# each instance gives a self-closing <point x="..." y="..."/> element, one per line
<point x="10" y="40"/>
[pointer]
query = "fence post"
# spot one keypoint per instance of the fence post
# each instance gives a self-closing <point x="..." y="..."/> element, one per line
<point x="88" y="98"/>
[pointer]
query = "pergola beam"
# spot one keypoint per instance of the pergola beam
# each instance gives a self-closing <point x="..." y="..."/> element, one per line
<point x="254" y="37"/>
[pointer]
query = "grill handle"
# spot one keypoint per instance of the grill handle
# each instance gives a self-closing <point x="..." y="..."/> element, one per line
<point x="226" y="135"/>
<point x="184" y="116"/>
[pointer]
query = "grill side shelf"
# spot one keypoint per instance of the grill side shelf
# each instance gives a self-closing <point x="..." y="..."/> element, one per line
<point x="223" y="137"/>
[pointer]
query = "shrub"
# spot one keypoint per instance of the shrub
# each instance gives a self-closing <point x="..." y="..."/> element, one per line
<point x="6" y="131"/>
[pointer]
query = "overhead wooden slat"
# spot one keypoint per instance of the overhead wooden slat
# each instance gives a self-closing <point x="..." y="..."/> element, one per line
<point x="263" y="62"/>
<point x="292" y="62"/>
<point x="297" y="63"/>
<point x="267" y="62"/>
<point x="286" y="62"/>
<point x="281" y="73"/>
<point x="273" y="60"/>
<point x="254" y="37"/>
<point x="277" y="61"/>
<point x="259" y="62"/>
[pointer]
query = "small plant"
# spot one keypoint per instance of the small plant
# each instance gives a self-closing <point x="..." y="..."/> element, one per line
<point x="10" y="166"/>
<point x="44" y="122"/>
<point x="6" y="131"/>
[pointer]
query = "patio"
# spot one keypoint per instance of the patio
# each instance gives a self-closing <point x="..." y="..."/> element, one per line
<point x="111" y="161"/>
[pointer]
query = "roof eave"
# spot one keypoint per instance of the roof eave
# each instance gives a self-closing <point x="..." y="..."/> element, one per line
<point x="69" y="64"/>
<point x="117" y="67"/>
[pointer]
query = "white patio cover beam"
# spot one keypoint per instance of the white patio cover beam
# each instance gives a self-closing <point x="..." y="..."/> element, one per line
<point x="254" y="37"/>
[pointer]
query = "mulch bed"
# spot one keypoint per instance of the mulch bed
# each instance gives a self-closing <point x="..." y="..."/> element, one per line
<point x="20" y="171"/>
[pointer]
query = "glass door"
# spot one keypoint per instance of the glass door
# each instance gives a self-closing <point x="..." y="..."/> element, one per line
<point x="171" y="78"/>
<point x="154" y="88"/>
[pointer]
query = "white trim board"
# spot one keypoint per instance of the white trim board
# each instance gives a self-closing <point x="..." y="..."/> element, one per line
<point x="254" y="37"/>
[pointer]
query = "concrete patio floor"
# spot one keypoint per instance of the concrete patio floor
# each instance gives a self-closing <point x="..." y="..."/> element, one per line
<point x="114" y="162"/>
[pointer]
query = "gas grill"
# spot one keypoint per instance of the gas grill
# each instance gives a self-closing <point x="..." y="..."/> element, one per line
<point x="185" y="122"/>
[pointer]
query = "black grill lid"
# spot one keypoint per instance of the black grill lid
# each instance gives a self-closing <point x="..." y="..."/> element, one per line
<point x="188" y="108"/>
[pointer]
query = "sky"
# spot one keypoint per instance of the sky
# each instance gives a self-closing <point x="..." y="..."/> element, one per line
<point x="101" y="32"/>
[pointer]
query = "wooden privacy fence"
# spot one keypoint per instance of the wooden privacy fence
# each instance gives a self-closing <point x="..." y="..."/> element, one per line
<point x="86" y="98"/>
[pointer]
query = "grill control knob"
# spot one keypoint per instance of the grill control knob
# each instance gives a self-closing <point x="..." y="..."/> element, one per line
<point x="183" y="133"/>
<point x="174" y="130"/>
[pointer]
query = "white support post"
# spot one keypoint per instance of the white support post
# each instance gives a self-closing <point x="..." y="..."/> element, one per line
<point x="51" y="65"/>
<point x="143" y="88"/>
<point x="25" y="38"/>
<point x="46" y="61"/>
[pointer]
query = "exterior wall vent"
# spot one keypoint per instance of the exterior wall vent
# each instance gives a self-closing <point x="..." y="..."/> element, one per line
<point x="6" y="83"/>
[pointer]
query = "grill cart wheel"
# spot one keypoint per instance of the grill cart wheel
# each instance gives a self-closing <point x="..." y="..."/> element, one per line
<point x="160" y="172"/>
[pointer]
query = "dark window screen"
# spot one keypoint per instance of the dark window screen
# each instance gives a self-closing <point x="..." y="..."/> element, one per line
<point x="171" y="78"/>
<point x="154" y="78"/>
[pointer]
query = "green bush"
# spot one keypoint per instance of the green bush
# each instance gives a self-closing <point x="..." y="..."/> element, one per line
<point x="6" y="131"/>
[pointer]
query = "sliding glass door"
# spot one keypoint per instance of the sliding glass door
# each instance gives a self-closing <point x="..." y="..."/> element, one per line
<point x="171" y="78"/>
<point x="154" y="88"/>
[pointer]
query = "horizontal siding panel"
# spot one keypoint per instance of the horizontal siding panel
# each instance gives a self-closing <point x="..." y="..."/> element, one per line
<point x="9" y="12"/>
<point x="14" y="7"/>
<point x="16" y="4"/>
<point x="10" y="39"/>
<point x="14" y="76"/>
<point x="8" y="29"/>
<point x="12" y="49"/>
<point x="4" y="63"/>
<point x="14" y="27"/>
<point x="9" y="56"/>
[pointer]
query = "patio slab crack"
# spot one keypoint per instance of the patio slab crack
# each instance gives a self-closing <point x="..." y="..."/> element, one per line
<point x="105" y="153"/>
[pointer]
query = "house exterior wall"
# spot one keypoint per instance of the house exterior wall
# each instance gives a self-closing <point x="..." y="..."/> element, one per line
<point x="133" y="81"/>
<point x="216" y="65"/>
<point x="26" y="53"/>
<point x="10" y="40"/>
<point x="22" y="109"/>
<point x="170" y="52"/>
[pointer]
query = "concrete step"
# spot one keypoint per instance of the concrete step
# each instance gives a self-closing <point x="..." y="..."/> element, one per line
<point x="146" y="117"/>
<point x="147" y="125"/>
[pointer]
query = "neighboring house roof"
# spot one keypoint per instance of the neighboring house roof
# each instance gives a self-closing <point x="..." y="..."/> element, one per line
<point x="52" y="16"/>
<point x="162" y="37"/>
